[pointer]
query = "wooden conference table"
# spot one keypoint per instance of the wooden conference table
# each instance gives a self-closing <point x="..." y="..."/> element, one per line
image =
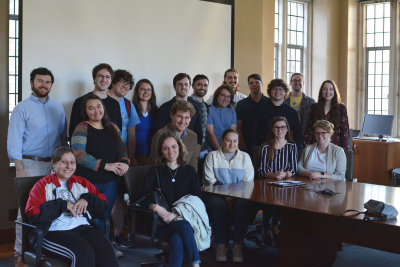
<point x="309" y="225"/>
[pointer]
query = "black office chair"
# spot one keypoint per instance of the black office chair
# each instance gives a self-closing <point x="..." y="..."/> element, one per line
<point x="23" y="186"/>
<point x="141" y="231"/>
<point x="349" y="165"/>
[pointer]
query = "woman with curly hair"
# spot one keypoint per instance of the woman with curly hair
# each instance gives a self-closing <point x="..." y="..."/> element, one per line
<point x="330" y="108"/>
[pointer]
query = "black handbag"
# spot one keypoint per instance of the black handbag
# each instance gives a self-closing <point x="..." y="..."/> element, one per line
<point x="157" y="197"/>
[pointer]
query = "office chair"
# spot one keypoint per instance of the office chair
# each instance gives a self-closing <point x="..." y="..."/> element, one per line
<point x="349" y="165"/>
<point x="141" y="231"/>
<point x="23" y="186"/>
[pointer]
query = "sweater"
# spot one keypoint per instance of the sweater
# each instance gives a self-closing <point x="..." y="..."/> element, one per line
<point x="110" y="104"/>
<point x="264" y="115"/>
<point x="186" y="183"/>
<point x="93" y="148"/>
<point x="335" y="161"/>
<point x="164" y="117"/>
<point x="219" y="170"/>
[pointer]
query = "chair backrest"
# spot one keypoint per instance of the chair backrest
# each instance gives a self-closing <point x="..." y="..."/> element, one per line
<point x="255" y="158"/>
<point x="133" y="179"/>
<point x="349" y="165"/>
<point x="23" y="185"/>
<point x="351" y="139"/>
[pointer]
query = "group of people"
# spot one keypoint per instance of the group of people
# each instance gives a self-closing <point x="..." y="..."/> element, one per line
<point x="188" y="140"/>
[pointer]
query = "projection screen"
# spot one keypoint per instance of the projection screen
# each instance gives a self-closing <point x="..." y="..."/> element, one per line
<point x="153" y="39"/>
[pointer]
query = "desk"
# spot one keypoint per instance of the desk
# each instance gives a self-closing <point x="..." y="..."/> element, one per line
<point x="309" y="225"/>
<point x="374" y="161"/>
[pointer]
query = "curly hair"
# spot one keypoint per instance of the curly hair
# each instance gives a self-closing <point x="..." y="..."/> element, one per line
<point x="123" y="75"/>
<point x="218" y="92"/>
<point x="160" y="160"/>
<point x="335" y="105"/>
<point x="278" y="83"/>
<point x="184" y="106"/>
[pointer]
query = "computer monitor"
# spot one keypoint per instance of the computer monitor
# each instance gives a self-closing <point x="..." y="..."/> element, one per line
<point x="380" y="125"/>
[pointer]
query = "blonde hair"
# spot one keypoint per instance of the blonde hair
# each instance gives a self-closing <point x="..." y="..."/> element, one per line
<point x="326" y="125"/>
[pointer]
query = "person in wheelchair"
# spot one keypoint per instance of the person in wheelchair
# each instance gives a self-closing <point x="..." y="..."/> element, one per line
<point x="278" y="160"/>
<point x="64" y="205"/>
<point x="225" y="166"/>
<point x="177" y="180"/>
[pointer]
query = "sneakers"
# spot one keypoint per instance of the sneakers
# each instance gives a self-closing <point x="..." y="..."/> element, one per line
<point x="237" y="254"/>
<point x="121" y="240"/>
<point x="221" y="253"/>
<point x="118" y="253"/>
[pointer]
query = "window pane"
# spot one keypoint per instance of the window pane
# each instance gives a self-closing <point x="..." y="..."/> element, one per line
<point x="293" y="23"/>
<point x="292" y="37"/>
<point x="378" y="56"/>
<point x="293" y="8"/>
<point x="300" y="24"/>
<point x="379" y="11"/>
<point x="386" y="56"/>
<point x="276" y="36"/>
<point x="300" y="10"/>
<point x="16" y="47"/>
<point x="378" y="68"/>
<point x="371" y="104"/>
<point x="387" y="25"/>
<point x="378" y="39"/>
<point x="385" y="92"/>
<point x="11" y="47"/>
<point x="16" y="66"/>
<point x="11" y="84"/>
<point x="300" y="38"/>
<point x="385" y="68"/>
<point x="378" y="80"/>
<point x="379" y="25"/>
<point x="12" y="7"/>
<point x="371" y="68"/>
<point x="370" y="40"/>
<point x="378" y="104"/>
<point x="378" y="92"/>
<point x="387" y="9"/>
<point x="387" y="39"/>
<point x="371" y="56"/>
<point x="370" y="11"/>
<point x="298" y="66"/>
<point x="12" y="28"/>
<point x="370" y="26"/>
<point x="298" y="54"/>
<point x="11" y="67"/>
<point x="17" y="29"/>
<point x="371" y="80"/>
<point x="292" y="54"/>
<point x="11" y="103"/>
<point x="385" y="80"/>
<point x="371" y="92"/>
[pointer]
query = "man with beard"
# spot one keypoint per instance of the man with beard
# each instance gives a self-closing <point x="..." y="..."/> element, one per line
<point x="182" y="83"/>
<point x="231" y="78"/>
<point x="298" y="100"/>
<point x="37" y="127"/>
<point x="200" y="89"/>
<point x="102" y="76"/>
<point x="181" y="114"/>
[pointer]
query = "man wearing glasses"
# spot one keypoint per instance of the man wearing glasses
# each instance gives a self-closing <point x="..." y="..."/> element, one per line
<point x="298" y="100"/>
<point x="102" y="76"/>
<point x="121" y="84"/>
<point x="278" y="90"/>
<point x="245" y="111"/>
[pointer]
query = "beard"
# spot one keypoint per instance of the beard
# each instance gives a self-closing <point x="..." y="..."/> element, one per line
<point x="39" y="93"/>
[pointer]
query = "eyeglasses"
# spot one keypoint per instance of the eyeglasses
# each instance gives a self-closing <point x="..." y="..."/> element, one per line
<point x="278" y="89"/>
<point x="145" y="90"/>
<point x="125" y="83"/>
<point x="321" y="133"/>
<point x="107" y="77"/>
<point x="225" y="96"/>
<point x="297" y="81"/>
<point x="255" y="82"/>
<point x="277" y="128"/>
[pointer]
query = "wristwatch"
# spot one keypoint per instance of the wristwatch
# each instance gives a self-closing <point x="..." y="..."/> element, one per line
<point x="322" y="175"/>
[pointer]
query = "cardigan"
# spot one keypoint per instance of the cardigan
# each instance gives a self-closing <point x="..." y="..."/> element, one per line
<point x="93" y="149"/>
<point x="190" y="142"/>
<point x="335" y="161"/>
<point x="218" y="169"/>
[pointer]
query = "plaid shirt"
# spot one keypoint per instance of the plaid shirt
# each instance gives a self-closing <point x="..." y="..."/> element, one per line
<point x="305" y="106"/>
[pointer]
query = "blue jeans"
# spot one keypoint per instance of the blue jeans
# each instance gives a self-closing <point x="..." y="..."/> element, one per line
<point x="110" y="191"/>
<point x="182" y="237"/>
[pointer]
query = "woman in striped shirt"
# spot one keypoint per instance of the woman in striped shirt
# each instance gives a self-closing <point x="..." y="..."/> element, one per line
<point x="279" y="161"/>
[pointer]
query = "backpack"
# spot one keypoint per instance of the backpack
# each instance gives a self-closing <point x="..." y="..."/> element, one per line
<point x="128" y="106"/>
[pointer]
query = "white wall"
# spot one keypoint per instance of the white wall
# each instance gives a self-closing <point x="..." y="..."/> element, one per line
<point x="154" y="39"/>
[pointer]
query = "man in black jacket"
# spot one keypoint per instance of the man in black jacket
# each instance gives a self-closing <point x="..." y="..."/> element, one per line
<point x="182" y="83"/>
<point x="278" y="90"/>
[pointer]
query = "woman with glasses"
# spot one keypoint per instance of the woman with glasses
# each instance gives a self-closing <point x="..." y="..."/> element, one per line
<point x="328" y="107"/>
<point x="278" y="160"/>
<point x="221" y="116"/>
<point x="144" y="100"/>
<point x="323" y="159"/>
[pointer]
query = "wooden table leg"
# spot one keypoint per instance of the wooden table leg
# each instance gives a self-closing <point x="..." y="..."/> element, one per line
<point x="300" y="249"/>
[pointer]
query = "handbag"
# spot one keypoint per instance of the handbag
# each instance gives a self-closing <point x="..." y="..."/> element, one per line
<point x="380" y="210"/>
<point x="157" y="197"/>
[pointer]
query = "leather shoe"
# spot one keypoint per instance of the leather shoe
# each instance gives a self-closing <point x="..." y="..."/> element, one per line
<point x="18" y="262"/>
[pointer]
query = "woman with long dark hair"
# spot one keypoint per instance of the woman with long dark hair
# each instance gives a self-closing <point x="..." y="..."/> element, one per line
<point x="177" y="179"/>
<point x="99" y="149"/>
<point x="278" y="160"/>
<point x="144" y="101"/>
<point x="330" y="108"/>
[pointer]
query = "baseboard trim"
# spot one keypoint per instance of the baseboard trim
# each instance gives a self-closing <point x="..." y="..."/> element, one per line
<point x="7" y="236"/>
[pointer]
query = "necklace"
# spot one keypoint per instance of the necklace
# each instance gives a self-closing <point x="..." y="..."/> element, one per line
<point x="173" y="176"/>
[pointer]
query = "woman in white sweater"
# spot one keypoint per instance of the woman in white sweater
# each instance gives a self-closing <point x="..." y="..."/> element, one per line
<point x="323" y="159"/>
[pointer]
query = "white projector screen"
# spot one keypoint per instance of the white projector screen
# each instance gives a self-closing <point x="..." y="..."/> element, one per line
<point x="153" y="39"/>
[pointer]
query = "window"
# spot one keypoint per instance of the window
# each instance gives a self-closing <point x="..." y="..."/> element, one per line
<point x="377" y="37"/>
<point x="13" y="41"/>
<point x="291" y="38"/>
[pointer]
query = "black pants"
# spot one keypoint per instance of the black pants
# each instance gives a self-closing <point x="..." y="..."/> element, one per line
<point x="271" y="211"/>
<point x="216" y="208"/>
<point x="83" y="246"/>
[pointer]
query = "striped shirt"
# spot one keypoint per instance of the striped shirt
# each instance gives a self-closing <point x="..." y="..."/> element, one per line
<point x="285" y="159"/>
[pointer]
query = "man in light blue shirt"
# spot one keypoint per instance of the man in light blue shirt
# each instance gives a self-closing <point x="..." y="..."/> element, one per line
<point x="121" y="83"/>
<point x="37" y="127"/>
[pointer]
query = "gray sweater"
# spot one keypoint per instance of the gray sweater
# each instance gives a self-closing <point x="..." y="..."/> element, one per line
<point x="335" y="161"/>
